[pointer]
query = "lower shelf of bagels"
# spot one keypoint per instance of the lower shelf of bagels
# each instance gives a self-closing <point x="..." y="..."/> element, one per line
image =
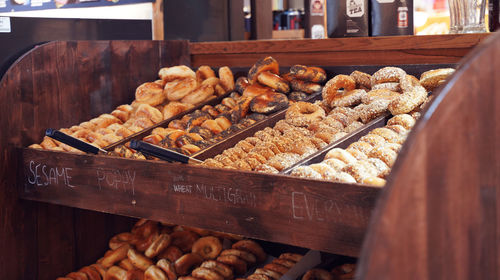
<point x="165" y="251"/>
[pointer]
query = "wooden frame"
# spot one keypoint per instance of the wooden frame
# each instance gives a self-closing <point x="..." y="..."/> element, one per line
<point x="36" y="87"/>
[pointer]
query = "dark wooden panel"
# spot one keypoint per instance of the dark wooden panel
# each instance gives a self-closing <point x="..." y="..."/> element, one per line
<point x="56" y="85"/>
<point x="262" y="19"/>
<point x="438" y="217"/>
<point x="314" y="214"/>
<point x="18" y="218"/>
<point x="196" y="20"/>
<point x="236" y="20"/>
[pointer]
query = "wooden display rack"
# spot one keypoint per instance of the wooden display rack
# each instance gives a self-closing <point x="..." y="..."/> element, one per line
<point x="438" y="216"/>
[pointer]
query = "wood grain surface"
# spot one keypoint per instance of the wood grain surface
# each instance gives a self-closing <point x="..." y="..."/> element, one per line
<point x="59" y="84"/>
<point x="314" y="214"/>
<point x="439" y="216"/>
<point x="340" y="51"/>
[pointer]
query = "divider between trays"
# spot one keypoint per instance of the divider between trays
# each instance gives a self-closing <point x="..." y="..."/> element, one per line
<point x="343" y="143"/>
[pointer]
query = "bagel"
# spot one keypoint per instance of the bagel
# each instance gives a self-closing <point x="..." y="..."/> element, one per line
<point x="304" y="86"/>
<point x="332" y="87"/>
<point x="244" y="255"/>
<point x="273" y="81"/>
<point x="268" y="103"/>
<point x="178" y="89"/>
<point x="99" y="268"/>
<point x="284" y="262"/>
<point x="115" y="256"/>
<point x="345" y="271"/>
<point x="264" y="64"/>
<point x="256" y="90"/>
<point x="408" y="101"/>
<point x="363" y="80"/>
<point x="171" y="253"/>
<point x="186" y="263"/>
<point x="149" y="112"/>
<point x="317" y="274"/>
<point x="168" y="74"/>
<point x="273" y="274"/>
<point x="404" y="120"/>
<point x="120" y="239"/>
<point x="90" y="272"/>
<point x="77" y="276"/>
<point x="220" y="268"/>
<point x="150" y="93"/>
<point x="297" y="96"/>
<point x="389" y="86"/>
<point x="276" y="267"/>
<point x="139" y="260"/>
<point x="211" y="81"/>
<point x="239" y="266"/>
<point x="310" y="74"/>
<point x="347" y="98"/>
<point x="135" y="274"/>
<point x="303" y="114"/>
<point x="168" y="268"/>
<point x="115" y="273"/>
<point x="241" y="84"/>
<point x="206" y="274"/>
<point x="433" y="78"/>
<point x="387" y="75"/>
<point x="198" y="95"/>
<point x="174" y="108"/>
<point x="126" y="264"/>
<point x="213" y="126"/>
<point x="204" y="72"/>
<point x="154" y="273"/>
<point x="160" y="243"/>
<point x="376" y="94"/>
<point x="291" y="257"/>
<point x="251" y="247"/>
<point x="208" y="247"/>
<point x="226" y="78"/>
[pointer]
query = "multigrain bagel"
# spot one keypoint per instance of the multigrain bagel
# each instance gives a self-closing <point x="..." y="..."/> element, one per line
<point x="303" y="114"/>
<point x="265" y="64"/>
<point x="334" y="85"/>
<point x="434" y="78"/>
<point x="387" y="75"/>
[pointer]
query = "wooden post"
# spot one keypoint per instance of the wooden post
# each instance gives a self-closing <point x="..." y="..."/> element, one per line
<point x="157" y="22"/>
<point x="262" y="19"/>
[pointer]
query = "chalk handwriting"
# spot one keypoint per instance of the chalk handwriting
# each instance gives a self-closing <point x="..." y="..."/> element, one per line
<point x="312" y="208"/>
<point x="43" y="175"/>
<point x="115" y="178"/>
<point x="226" y="195"/>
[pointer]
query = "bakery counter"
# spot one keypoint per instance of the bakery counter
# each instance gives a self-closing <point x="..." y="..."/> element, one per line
<point x="314" y="214"/>
<point x="443" y="187"/>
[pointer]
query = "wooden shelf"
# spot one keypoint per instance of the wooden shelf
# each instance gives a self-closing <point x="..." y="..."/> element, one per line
<point x="394" y="230"/>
